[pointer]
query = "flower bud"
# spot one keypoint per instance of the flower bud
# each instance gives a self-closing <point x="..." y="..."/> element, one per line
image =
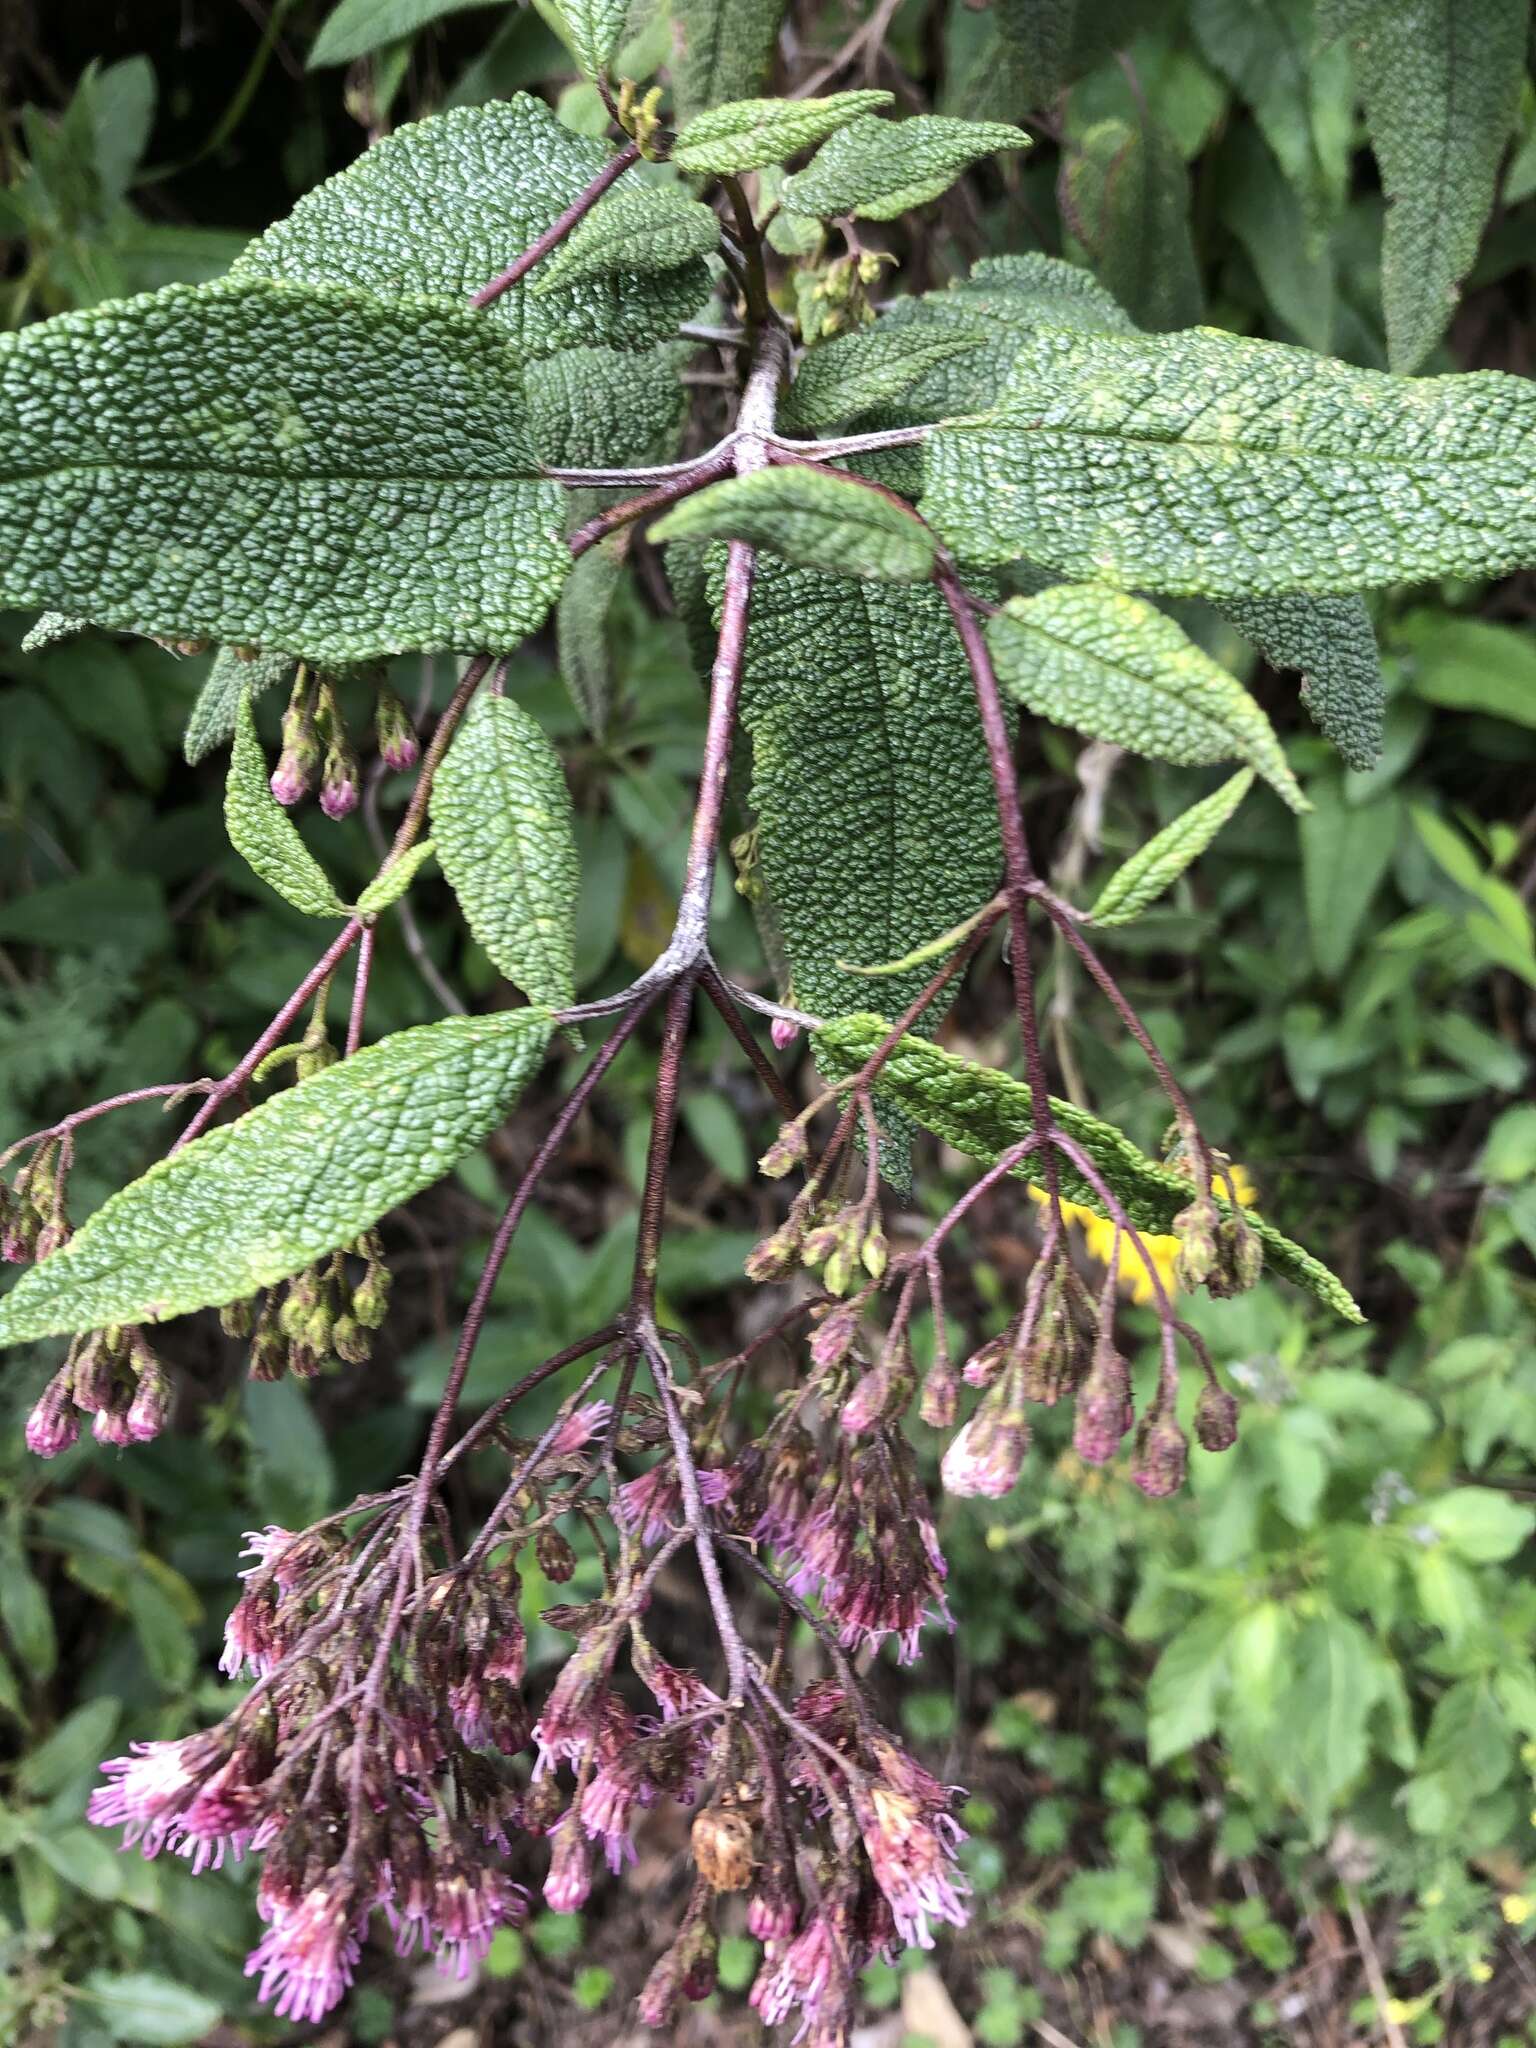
<point x="722" y="1848"/>
<point x="783" y="1031"/>
<point x="658" y="2002"/>
<point x="941" y="1394"/>
<point x="351" y="1343"/>
<point x="340" y="784"/>
<point x="1216" y="1418"/>
<point x="95" y="1374"/>
<point x="569" y="1882"/>
<point x="1162" y="1457"/>
<point x="1195" y="1229"/>
<point x="370" y="1298"/>
<point x="398" y="745"/>
<point x="269" y="1352"/>
<point x="774" y="1256"/>
<point x="238" y="1318"/>
<point x="557" y="1559"/>
<point x="985" y="1459"/>
<point x="875" y="1253"/>
<point x="832" y="1339"/>
<point x="787" y="1151"/>
<point x="699" y="1953"/>
<point x="54" y="1423"/>
<point x="1104" y="1411"/>
<point x="319" y="1329"/>
<point x="150" y="1407"/>
<point x="984" y="1364"/>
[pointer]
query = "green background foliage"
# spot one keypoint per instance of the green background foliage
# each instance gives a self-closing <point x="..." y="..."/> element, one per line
<point x="1203" y="1735"/>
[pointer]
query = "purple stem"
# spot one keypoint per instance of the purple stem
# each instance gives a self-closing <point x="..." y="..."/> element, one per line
<point x="558" y="228"/>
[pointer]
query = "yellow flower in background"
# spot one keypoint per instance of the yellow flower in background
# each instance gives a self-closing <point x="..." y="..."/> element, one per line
<point x="1516" y="1907"/>
<point x="1099" y="1238"/>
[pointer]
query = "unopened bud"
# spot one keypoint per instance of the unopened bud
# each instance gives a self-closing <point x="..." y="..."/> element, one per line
<point x="941" y="1394"/>
<point x="1104" y="1411"/>
<point x="1195" y="1229"/>
<point x="985" y="1459"/>
<point x="399" y="747"/>
<point x="875" y="1253"/>
<point x="699" y="1953"/>
<point x="662" y="1993"/>
<point x="569" y="1882"/>
<point x="1162" y="1457"/>
<point x="151" y="1404"/>
<point x="783" y="1031"/>
<point x="350" y="1341"/>
<point x="832" y="1339"/>
<point x="370" y="1298"/>
<point x="557" y="1559"/>
<point x="722" y="1848"/>
<point x="1216" y="1418"/>
<point x="54" y="1423"/>
<point x="238" y="1318"/>
<point x="340" y="785"/>
<point x="786" y="1152"/>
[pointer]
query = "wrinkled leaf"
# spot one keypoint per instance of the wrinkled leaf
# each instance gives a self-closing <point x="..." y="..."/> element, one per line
<point x="1158" y="865"/>
<point x="812" y="517"/>
<point x="842" y="378"/>
<point x="745" y="135"/>
<point x="391" y="883"/>
<point x="254" y="1201"/>
<point x="211" y="720"/>
<point x="637" y="227"/>
<point x="1332" y="642"/>
<point x="262" y="832"/>
<point x="878" y="169"/>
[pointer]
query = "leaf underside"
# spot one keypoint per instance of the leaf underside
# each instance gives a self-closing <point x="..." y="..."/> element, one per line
<point x="983" y="1112"/>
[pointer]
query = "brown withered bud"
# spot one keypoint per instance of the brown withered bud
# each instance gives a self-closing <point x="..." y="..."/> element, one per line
<point x="941" y="1393"/>
<point x="576" y="1620"/>
<point x="542" y="1805"/>
<point x="722" y="1848"/>
<point x="1216" y="1418"/>
<point x="986" y="1362"/>
<point x="238" y="1318"/>
<point x="351" y="1342"/>
<point x="662" y="1994"/>
<point x="557" y="1560"/>
<point x="1162" y="1457"/>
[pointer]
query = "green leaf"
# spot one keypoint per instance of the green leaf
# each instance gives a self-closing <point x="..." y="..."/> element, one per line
<point x="1479" y="1524"/>
<point x="74" y="1746"/>
<point x="1157" y="865"/>
<point x="145" y="2008"/>
<point x="1332" y="642"/>
<point x="594" y="407"/>
<point x="745" y="135"/>
<point x="1058" y="40"/>
<point x="636" y="228"/>
<point x="1115" y="668"/>
<point x="1441" y="83"/>
<point x="1199" y="463"/>
<point x="293" y="1474"/>
<point x="983" y="1112"/>
<point x="722" y="50"/>
<point x="357" y="27"/>
<point x="212" y="719"/>
<point x="442" y="206"/>
<point x="26" y="1614"/>
<point x="842" y="378"/>
<point x="594" y="29"/>
<point x="391" y="883"/>
<point x="1127" y="200"/>
<point x="1346" y="850"/>
<point x="305" y="1173"/>
<point x="84" y="1859"/>
<point x="1320" y="1736"/>
<point x="581" y="625"/>
<point x="262" y="832"/>
<point x="169" y="1651"/>
<point x="1186" y="1685"/>
<point x="878" y="169"/>
<point x="875" y="822"/>
<point x="502" y="822"/>
<point x="274" y="465"/>
<point x="1471" y="665"/>
<point x="1298" y="89"/>
<point x="812" y="517"/>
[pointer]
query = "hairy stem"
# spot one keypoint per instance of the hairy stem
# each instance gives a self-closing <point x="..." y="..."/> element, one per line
<point x="558" y="228"/>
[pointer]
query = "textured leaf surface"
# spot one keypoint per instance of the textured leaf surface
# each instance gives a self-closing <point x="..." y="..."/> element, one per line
<point x="441" y="206"/>
<point x="303" y="1174"/>
<point x="262" y="832"/>
<point x="581" y="622"/>
<point x="1115" y="668"/>
<point x="355" y="27"/>
<point x="501" y="820"/>
<point x="870" y="787"/>
<point x="1058" y="40"/>
<point x="1332" y="643"/>
<point x="49" y="629"/>
<point x="595" y="407"/>
<point x="1200" y="463"/>
<point x="1441" y="81"/>
<point x="1127" y="198"/>
<point x="722" y="50"/>
<point x="391" y="883"/>
<point x="842" y="378"/>
<point x="983" y="1112"/>
<point x="879" y="169"/>
<point x="637" y="227"/>
<point x="211" y="721"/>
<point x="1297" y="85"/>
<point x="1158" y="865"/>
<point x="276" y="466"/>
<point x="746" y="135"/>
<point x="595" y="29"/>
<point x="812" y="517"/>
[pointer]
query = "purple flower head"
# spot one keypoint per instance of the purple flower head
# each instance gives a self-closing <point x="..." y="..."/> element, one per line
<point x="570" y="1871"/>
<point x="1104" y="1411"/>
<point x="783" y="1031"/>
<point x="54" y="1423"/>
<point x="470" y="1900"/>
<point x="910" y="1840"/>
<point x="339" y="784"/>
<point x="808" y="1975"/>
<point x="986" y="1456"/>
<point x="308" y="1955"/>
<point x="653" y="1503"/>
<point x="579" y="1428"/>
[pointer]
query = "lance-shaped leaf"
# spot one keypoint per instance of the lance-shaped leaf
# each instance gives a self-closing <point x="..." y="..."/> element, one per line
<point x="1332" y="642"/>
<point x="211" y="720"/>
<point x="262" y="832"/>
<point x="277" y="466"/>
<point x="638" y="227"/>
<point x="722" y="49"/>
<point x="1113" y="667"/>
<point x="842" y="378"/>
<point x="1126" y="197"/>
<point x="1203" y="464"/>
<point x="875" y="820"/>
<point x="1297" y="84"/>
<point x="440" y="207"/>
<point x="1056" y="41"/>
<point x="391" y="883"/>
<point x="744" y="135"/>
<point x="253" y="1202"/>
<point x="983" y="1112"/>
<point x="879" y="169"/>
<point x="1158" y="865"/>
<point x="812" y="517"/>
<point x="594" y="29"/>
<point x="502" y="825"/>
<point x="1441" y="82"/>
<point x="355" y="27"/>
<point x="581" y="617"/>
